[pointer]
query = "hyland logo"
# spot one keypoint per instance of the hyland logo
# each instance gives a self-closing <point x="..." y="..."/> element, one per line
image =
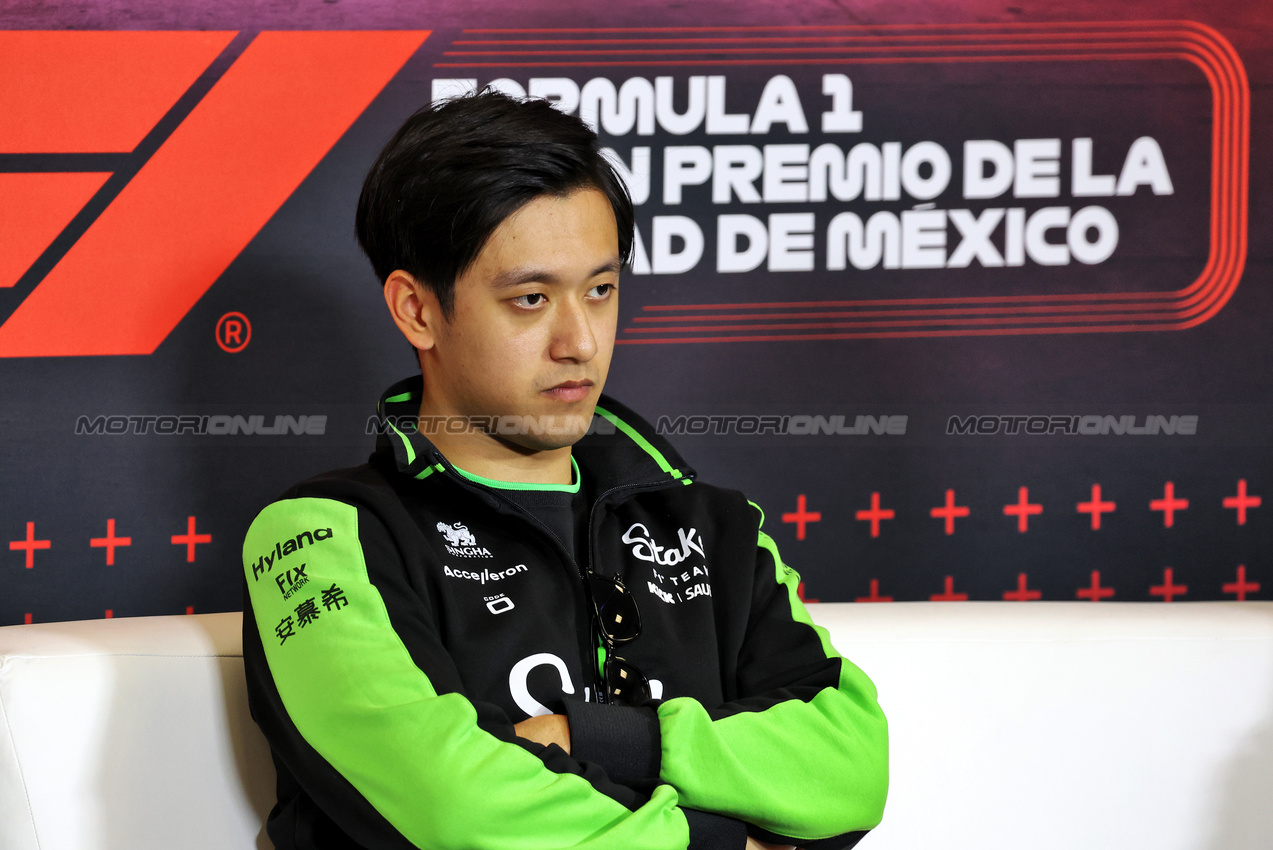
<point x="266" y="562"/>
<point x="644" y="547"/>
<point x="290" y="581"/>
<point x="460" y="542"/>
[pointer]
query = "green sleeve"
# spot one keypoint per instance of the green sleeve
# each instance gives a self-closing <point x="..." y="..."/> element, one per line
<point x="371" y="710"/>
<point x="804" y="754"/>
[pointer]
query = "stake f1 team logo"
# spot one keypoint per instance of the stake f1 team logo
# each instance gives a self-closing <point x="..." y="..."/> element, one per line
<point x="115" y="143"/>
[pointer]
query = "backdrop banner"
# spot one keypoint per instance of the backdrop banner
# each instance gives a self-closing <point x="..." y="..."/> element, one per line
<point x="970" y="299"/>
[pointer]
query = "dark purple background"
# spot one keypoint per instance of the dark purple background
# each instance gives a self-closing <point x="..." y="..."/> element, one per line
<point x="322" y="345"/>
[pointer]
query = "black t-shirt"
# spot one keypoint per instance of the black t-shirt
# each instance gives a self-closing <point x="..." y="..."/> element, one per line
<point x="563" y="512"/>
<point x="561" y="507"/>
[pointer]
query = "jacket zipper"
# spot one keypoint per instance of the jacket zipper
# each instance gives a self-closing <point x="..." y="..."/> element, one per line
<point x="590" y="664"/>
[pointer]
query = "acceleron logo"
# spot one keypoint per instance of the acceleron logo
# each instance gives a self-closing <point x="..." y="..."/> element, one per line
<point x="135" y="166"/>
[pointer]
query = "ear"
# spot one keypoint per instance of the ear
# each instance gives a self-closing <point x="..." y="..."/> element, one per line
<point x="414" y="308"/>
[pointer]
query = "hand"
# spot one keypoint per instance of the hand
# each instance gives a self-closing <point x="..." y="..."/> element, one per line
<point x="546" y="729"/>
<point x="555" y="729"/>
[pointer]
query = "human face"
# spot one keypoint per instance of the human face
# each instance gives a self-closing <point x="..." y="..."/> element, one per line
<point x="533" y="324"/>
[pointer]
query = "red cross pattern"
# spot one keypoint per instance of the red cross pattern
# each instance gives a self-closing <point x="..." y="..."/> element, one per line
<point x="874" y="515"/>
<point x="1096" y="507"/>
<point x="1167" y="590"/>
<point x="949" y="511"/>
<point x="875" y="594"/>
<point x="1022" y="509"/>
<point x="800" y="593"/>
<point x="110" y="541"/>
<point x="1095" y="592"/>
<point x="949" y="595"/>
<point x="30" y="544"/>
<point x="190" y="539"/>
<point x="801" y="516"/>
<point x="1169" y="504"/>
<point x="1241" y="586"/>
<point x="1022" y="593"/>
<point x="1242" y="501"/>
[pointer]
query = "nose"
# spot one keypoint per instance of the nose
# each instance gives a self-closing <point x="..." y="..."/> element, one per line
<point x="573" y="335"/>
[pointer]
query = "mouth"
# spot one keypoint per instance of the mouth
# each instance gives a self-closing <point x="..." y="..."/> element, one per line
<point x="570" y="391"/>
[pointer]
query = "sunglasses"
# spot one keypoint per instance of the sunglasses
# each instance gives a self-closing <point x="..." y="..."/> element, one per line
<point x="617" y="622"/>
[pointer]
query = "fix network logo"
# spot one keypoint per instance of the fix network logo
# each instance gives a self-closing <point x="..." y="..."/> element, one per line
<point x="143" y="163"/>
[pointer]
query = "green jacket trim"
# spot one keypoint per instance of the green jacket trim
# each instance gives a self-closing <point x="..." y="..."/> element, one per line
<point x="333" y="626"/>
<point x="716" y="762"/>
<point x="641" y="441"/>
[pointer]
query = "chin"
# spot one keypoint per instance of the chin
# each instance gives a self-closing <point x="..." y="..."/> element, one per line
<point x="556" y="445"/>
<point x="532" y="443"/>
<point x="548" y="430"/>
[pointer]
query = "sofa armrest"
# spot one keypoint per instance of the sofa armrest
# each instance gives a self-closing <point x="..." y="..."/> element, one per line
<point x="129" y="733"/>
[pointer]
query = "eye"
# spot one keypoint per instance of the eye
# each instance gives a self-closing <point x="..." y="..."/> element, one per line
<point x="602" y="290"/>
<point x="532" y="299"/>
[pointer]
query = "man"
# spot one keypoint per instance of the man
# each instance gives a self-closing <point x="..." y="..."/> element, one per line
<point x="509" y="629"/>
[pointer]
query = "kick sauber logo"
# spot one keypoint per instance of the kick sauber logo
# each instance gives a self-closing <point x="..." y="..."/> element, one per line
<point x="134" y="173"/>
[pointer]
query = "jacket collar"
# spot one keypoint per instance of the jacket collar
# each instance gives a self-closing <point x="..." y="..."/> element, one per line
<point x="620" y="448"/>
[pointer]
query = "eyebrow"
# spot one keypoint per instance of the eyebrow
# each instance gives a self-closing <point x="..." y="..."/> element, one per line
<point x="517" y="277"/>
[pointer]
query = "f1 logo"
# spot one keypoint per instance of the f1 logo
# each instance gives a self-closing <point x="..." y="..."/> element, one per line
<point x="76" y="103"/>
<point x="234" y="332"/>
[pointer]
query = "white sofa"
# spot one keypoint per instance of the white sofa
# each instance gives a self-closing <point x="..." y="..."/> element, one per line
<point x="1013" y="727"/>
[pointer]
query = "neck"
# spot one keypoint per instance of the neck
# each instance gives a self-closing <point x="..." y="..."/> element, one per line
<point x="490" y="456"/>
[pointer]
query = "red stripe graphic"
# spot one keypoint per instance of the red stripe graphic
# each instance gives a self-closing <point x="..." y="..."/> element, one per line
<point x="94" y="92"/>
<point x="34" y="209"/>
<point x="206" y="193"/>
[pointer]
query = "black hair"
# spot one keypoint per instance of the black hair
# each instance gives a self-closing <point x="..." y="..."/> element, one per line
<point x="459" y="167"/>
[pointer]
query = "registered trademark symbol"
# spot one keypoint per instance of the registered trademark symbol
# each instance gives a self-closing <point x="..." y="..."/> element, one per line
<point x="234" y="332"/>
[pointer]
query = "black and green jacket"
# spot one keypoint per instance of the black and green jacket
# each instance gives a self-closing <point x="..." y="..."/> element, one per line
<point x="401" y="616"/>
